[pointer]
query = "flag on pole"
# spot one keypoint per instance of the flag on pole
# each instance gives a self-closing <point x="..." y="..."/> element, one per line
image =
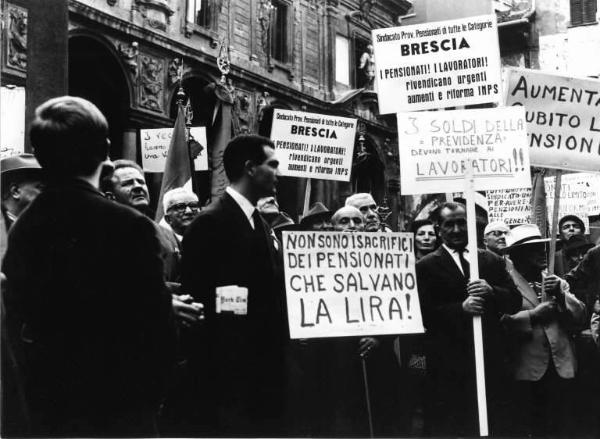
<point x="179" y="167"/>
<point x="539" y="212"/>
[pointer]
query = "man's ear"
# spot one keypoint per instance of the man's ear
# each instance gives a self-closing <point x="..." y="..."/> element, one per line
<point x="15" y="191"/>
<point x="167" y="218"/>
<point x="109" y="196"/>
<point x="249" y="167"/>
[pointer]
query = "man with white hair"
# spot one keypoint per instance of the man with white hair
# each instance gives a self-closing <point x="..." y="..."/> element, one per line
<point x="181" y="207"/>
<point x="368" y="208"/>
<point x="494" y="237"/>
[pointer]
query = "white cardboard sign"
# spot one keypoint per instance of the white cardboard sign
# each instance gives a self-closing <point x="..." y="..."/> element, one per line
<point x="512" y="206"/>
<point x="436" y="148"/>
<point x="313" y="145"/>
<point x="350" y="284"/>
<point x="155" y="148"/>
<point x="563" y="118"/>
<point x="579" y="195"/>
<point x="438" y="65"/>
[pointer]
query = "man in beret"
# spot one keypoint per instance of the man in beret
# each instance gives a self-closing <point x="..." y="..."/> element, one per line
<point x="494" y="237"/>
<point x="568" y="226"/>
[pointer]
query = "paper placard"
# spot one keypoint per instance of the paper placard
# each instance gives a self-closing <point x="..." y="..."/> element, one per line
<point x="155" y="148"/>
<point x="438" y="65"/>
<point x="579" y="195"/>
<point x="12" y="121"/>
<point x="563" y="122"/>
<point x="350" y="284"/>
<point x="436" y="147"/>
<point x="512" y="206"/>
<point x="313" y="145"/>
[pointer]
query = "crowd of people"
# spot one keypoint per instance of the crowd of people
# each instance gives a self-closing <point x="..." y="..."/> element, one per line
<point x="116" y="325"/>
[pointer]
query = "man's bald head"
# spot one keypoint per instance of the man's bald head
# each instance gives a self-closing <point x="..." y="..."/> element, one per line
<point x="348" y="219"/>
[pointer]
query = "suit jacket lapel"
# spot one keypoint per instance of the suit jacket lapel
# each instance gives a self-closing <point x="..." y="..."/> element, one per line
<point x="235" y="212"/>
<point x="448" y="262"/>
<point x="522" y="285"/>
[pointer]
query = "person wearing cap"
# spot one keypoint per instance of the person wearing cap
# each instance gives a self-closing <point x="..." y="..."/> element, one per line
<point x="180" y="206"/>
<point x="85" y="281"/>
<point x="568" y="226"/>
<point x="365" y="203"/>
<point x="317" y="219"/>
<point x="22" y="182"/>
<point x="449" y="299"/>
<point x="544" y="362"/>
<point x="494" y="237"/>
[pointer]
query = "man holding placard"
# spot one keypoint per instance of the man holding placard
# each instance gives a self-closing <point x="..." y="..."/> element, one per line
<point x="449" y="299"/>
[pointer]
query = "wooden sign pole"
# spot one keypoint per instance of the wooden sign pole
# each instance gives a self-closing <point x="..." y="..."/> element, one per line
<point x="477" y="329"/>
<point x="554" y="230"/>
<point x="307" y="196"/>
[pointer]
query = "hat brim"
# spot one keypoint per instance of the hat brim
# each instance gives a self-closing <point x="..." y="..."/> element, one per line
<point x="315" y="217"/>
<point x="532" y="241"/>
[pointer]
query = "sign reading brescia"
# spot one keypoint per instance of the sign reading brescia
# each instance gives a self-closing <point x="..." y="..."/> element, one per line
<point x="155" y="148"/>
<point x="313" y="145"/>
<point x="436" y="148"/>
<point x="563" y="118"/>
<point x="350" y="284"/>
<point x="438" y="65"/>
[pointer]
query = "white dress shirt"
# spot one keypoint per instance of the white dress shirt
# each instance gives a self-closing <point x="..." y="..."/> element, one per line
<point x="456" y="256"/>
<point x="244" y="204"/>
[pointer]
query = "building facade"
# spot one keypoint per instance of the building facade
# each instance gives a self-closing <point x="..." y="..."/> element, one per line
<point x="237" y="59"/>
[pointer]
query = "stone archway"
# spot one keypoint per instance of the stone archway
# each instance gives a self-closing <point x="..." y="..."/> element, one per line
<point x="96" y="74"/>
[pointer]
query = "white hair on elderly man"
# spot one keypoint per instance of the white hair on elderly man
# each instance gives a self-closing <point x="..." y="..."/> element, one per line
<point x="174" y="195"/>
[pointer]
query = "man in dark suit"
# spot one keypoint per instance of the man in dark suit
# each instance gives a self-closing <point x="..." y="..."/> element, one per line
<point x="229" y="265"/>
<point x="449" y="300"/>
<point x="85" y="295"/>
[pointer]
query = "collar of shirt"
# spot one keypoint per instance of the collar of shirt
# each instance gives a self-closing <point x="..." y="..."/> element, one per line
<point x="456" y="256"/>
<point x="244" y="204"/>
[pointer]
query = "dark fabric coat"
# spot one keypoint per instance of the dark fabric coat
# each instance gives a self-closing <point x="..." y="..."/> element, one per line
<point x="239" y="358"/>
<point x="449" y="338"/>
<point x="88" y="309"/>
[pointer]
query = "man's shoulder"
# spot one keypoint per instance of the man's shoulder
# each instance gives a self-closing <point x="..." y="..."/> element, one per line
<point x="430" y="258"/>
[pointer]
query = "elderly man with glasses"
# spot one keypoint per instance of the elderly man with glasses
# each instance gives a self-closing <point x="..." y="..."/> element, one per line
<point x="494" y="237"/>
<point x="181" y="207"/>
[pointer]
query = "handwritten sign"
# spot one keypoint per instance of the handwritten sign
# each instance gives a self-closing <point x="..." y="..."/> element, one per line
<point x="155" y="148"/>
<point x="12" y="121"/>
<point x="563" y="122"/>
<point x="513" y="206"/>
<point x="313" y="145"/>
<point x="438" y="65"/>
<point x="579" y="195"/>
<point x="436" y="148"/>
<point x="350" y="284"/>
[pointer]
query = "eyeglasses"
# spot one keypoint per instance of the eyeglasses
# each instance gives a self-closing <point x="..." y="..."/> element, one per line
<point x="181" y="207"/>
<point x="498" y="233"/>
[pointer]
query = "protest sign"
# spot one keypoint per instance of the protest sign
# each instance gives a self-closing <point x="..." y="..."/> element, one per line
<point x="437" y="65"/>
<point x="512" y="206"/>
<point x="435" y="148"/>
<point x="155" y="148"/>
<point x="12" y="121"/>
<point x="563" y="123"/>
<point x="350" y="284"/>
<point x="313" y="145"/>
<point x="579" y="195"/>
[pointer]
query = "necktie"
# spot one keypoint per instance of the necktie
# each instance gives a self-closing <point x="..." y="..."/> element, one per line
<point x="464" y="264"/>
<point x="258" y="229"/>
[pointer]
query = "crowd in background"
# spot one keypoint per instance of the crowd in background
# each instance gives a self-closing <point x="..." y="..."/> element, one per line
<point x="113" y="324"/>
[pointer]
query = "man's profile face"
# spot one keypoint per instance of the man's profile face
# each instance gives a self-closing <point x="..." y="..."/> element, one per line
<point x="130" y="188"/>
<point x="495" y="241"/>
<point x="368" y="208"/>
<point x="531" y="257"/>
<point x="348" y="219"/>
<point x="265" y="174"/>
<point x="28" y="190"/>
<point x="570" y="228"/>
<point x="453" y="228"/>
<point x="183" y="210"/>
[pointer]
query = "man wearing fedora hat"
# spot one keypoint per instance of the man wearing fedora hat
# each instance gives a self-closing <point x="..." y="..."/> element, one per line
<point x="544" y="362"/>
<point x="317" y="219"/>
<point x="22" y="181"/>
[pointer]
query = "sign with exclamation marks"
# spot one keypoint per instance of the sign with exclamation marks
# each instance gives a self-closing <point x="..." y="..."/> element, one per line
<point x="436" y="147"/>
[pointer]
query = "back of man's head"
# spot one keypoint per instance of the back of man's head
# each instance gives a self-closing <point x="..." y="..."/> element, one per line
<point x="241" y="149"/>
<point x="69" y="137"/>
